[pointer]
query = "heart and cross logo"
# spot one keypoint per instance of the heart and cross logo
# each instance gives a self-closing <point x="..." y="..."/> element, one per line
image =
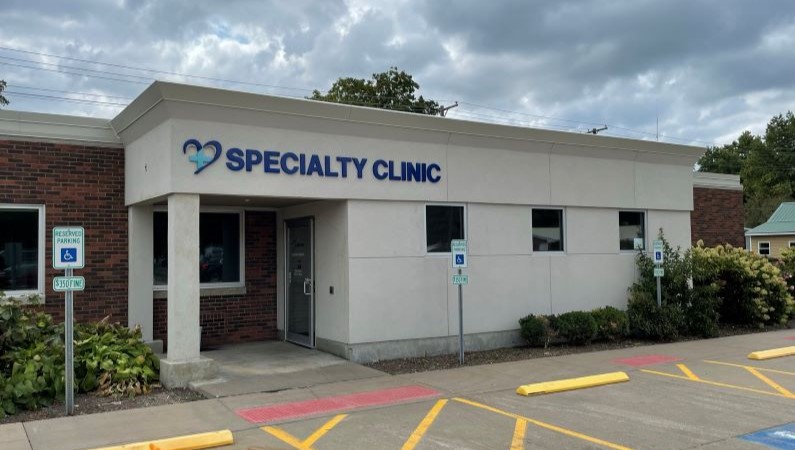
<point x="202" y="154"/>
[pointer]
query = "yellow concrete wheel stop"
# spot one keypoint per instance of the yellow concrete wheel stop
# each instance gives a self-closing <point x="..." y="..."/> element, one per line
<point x="190" y="442"/>
<point x="548" y="387"/>
<point x="772" y="353"/>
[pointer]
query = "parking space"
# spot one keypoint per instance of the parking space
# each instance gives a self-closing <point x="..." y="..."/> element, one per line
<point x="670" y="403"/>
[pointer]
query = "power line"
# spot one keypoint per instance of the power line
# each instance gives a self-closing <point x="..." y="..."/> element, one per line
<point x="33" y="88"/>
<point x="144" y="69"/>
<point x="103" y="75"/>
<point x="68" y="99"/>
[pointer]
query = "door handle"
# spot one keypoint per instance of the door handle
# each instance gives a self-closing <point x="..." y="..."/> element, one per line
<point x="307" y="286"/>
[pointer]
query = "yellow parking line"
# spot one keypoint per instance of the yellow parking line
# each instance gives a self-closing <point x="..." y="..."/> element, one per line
<point x="548" y="426"/>
<point x="687" y="372"/>
<point x="770" y="382"/>
<point x="286" y="437"/>
<point x="754" y="367"/>
<point x="307" y="443"/>
<point x="419" y="432"/>
<point x="323" y="429"/>
<point x="713" y="383"/>
<point x="517" y="443"/>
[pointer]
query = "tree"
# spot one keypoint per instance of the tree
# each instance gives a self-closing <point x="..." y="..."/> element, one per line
<point x="729" y="158"/>
<point x="3" y="100"/>
<point x="392" y="89"/>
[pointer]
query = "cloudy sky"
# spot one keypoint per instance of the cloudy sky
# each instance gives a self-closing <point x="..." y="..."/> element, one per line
<point x="704" y="70"/>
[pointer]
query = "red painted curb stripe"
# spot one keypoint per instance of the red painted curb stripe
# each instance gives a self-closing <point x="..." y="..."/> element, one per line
<point x="646" y="360"/>
<point x="292" y="410"/>
<point x="790" y="338"/>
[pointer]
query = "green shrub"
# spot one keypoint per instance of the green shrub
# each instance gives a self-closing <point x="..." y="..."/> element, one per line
<point x="751" y="289"/>
<point x="35" y="378"/>
<point x="112" y="359"/>
<point x="611" y="324"/>
<point x="109" y="359"/>
<point x="649" y="321"/>
<point x="537" y="330"/>
<point x="577" y="327"/>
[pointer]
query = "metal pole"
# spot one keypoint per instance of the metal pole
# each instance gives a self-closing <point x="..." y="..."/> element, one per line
<point x="659" y="292"/>
<point x="460" y="323"/>
<point x="69" y="345"/>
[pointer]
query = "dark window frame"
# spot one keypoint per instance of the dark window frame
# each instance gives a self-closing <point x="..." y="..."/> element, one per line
<point x="463" y="225"/>
<point x="643" y="228"/>
<point x="561" y="227"/>
<point x="242" y="245"/>
<point x="41" y="249"/>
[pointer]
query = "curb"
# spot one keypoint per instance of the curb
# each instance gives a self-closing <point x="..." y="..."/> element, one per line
<point x="188" y="442"/>
<point x="569" y="384"/>
<point x="772" y="353"/>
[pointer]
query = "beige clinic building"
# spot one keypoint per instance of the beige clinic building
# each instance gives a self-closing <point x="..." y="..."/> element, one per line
<point x="216" y="216"/>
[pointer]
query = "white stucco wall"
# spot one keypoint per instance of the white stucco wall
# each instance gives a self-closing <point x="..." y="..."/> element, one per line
<point x="409" y="294"/>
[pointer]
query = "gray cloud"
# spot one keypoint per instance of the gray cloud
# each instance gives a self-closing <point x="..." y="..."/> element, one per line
<point x="707" y="69"/>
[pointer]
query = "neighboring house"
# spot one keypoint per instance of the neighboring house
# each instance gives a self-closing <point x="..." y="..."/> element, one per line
<point x="776" y="234"/>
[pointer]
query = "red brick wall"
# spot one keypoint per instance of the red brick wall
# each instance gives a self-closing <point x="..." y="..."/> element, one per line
<point x="235" y="318"/>
<point x="717" y="217"/>
<point x="78" y="185"/>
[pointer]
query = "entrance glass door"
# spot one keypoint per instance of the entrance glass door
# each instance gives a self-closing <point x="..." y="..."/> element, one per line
<point x="300" y="282"/>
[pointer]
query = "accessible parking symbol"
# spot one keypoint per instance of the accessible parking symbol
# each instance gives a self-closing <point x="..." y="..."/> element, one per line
<point x="68" y="254"/>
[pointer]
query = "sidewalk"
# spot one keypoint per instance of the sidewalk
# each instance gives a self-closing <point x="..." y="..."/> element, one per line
<point x="98" y="430"/>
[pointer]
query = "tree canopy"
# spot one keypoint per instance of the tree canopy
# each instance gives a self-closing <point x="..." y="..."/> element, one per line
<point x="766" y="165"/>
<point x="392" y="89"/>
<point x="3" y="100"/>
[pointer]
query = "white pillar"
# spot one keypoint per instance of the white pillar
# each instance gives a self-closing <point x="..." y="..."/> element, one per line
<point x="139" y="272"/>
<point x="183" y="278"/>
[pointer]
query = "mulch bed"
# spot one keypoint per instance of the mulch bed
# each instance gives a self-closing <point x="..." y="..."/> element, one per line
<point x="440" y="362"/>
<point x="91" y="404"/>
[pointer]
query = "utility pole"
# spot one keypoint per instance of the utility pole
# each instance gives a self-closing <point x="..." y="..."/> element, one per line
<point x="596" y="130"/>
<point x="443" y="109"/>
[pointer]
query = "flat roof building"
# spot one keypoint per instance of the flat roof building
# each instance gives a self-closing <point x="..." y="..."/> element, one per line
<point x="216" y="216"/>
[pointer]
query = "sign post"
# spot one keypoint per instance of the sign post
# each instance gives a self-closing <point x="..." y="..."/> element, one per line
<point x="658" y="270"/>
<point x="68" y="253"/>
<point x="458" y="251"/>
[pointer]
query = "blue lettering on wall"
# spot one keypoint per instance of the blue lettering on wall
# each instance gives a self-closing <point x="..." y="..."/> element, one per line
<point x="309" y="164"/>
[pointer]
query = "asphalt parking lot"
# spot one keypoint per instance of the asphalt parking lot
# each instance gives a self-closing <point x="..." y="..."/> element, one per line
<point x="698" y="394"/>
<point x="691" y="397"/>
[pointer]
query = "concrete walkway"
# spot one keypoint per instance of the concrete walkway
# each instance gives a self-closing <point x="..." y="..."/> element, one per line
<point x="275" y="366"/>
<point x="665" y="411"/>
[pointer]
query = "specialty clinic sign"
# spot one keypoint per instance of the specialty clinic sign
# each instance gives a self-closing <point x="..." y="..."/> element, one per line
<point x="273" y="162"/>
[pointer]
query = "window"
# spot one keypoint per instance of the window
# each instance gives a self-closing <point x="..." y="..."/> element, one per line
<point x="548" y="230"/>
<point x="220" y="248"/>
<point x="791" y="244"/>
<point x="764" y="248"/>
<point x="442" y="224"/>
<point x="631" y="230"/>
<point x="21" y="249"/>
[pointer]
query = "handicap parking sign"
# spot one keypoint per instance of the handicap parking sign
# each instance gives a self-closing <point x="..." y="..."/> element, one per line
<point x="68" y="247"/>
<point x="459" y="259"/>
<point x="69" y="254"/>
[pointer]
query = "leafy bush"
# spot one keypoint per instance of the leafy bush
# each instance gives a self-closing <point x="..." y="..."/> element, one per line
<point x="611" y="324"/>
<point x="649" y="321"/>
<point x="577" y="327"/>
<point x="537" y="330"/>
<point x="109" y="359"/>
<point x="752" y="290"/>
<point x="112" y="359"/>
